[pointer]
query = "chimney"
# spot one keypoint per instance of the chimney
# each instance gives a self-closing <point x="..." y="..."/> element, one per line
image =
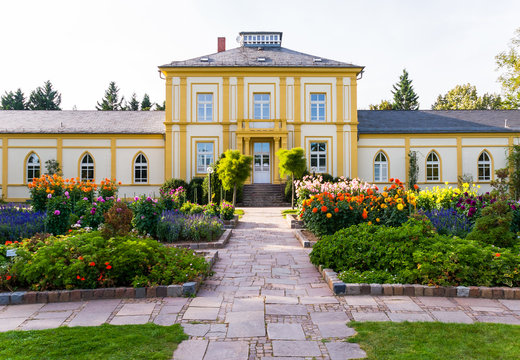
<point x="221" y="44"/>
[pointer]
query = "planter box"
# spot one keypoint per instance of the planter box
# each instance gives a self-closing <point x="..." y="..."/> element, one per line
<point x="33" y="297"/>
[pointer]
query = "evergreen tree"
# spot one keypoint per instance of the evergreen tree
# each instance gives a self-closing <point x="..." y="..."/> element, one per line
<point x="133" y="105"/>
<point x="45" y="98"/>
<point x="405" y="97"/>
<point x="146" y="104"/>
<point x="110" y="101"/>
<point x="14" y="101"/>
<point x="160" y="107"/>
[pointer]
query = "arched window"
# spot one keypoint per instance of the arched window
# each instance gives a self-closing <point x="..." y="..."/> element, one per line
<point x="380" y="167"/>
<point x="140" y="169"/>
<point x="32" y="167"/>
<point x="87" y="167"/>
<point x="433" y="167"/>
<point x="484" y="166"/>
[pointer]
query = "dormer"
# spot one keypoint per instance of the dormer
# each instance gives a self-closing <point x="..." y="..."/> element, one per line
<point x="261" y="39"/>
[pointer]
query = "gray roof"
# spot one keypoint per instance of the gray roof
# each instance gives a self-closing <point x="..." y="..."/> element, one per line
<point x="84" y="122"/>
<point x="248" y="57"/>
<point x="438" y="121"/>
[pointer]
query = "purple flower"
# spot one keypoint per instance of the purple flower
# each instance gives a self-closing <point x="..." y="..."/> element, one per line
<point x="93" y="210"/>
<point x="66" y="193"/>
<point x="142" y="217"/>
<point x="56" y="212"/>
<point x="136" y="198"/>
<point x="85" y="198"/>
<point x="49" y="196"/>
<point x="148" y="199"/>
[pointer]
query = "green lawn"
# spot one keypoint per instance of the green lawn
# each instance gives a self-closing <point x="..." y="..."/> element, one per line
<point x="290" y="211"/>
<point x="426" y="341"/>
<point x="105" y="342"/>
<point x="239" y="212"/>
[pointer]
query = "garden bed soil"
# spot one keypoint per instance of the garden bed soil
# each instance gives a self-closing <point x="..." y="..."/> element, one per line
<point x="33" y="297"/>
<point x="217" y="244"/>
<point x="338" y="287"/>
<point x="306" y="238"/>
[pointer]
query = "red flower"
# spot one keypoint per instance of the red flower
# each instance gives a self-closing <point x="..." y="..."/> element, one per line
<point x="336" y="210"/>
<point x="324" y="209"/>
<point x="70" y="230"/>
<point x="80" y="258"/>
<point x="8" y="242"/>
<point x="109" y="267"/>
<point x="78" y="277"/>
<point x="497" y="255"/>
<point x="107" y="263"/>
<point x="315" y="210"/>
<point x="415" y="186"/>
<point x="92" y="263"/>
<point x="391" y="179"/>
<point x="8" y="277"/>
<point x="365" y="214"/>
<point x="82" y="279"/>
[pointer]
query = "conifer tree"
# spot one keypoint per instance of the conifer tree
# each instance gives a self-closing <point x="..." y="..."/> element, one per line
<point x="110" y="101"/>
<point x="146" y="104"/>
<point x="405" y="97"/>
<point x="13" y="101"/>
<point x="45" y="98"/>
<point x="160" y="107"/>
<point x="133" y="104"/>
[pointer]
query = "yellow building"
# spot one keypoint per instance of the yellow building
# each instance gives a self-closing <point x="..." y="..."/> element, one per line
<point x="256" y="98"/>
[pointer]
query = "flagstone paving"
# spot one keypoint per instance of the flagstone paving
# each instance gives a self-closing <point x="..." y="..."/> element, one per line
<point x="265" y="301"/>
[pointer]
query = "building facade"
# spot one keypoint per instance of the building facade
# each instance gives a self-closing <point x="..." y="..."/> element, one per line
<point x="256" y="98"/>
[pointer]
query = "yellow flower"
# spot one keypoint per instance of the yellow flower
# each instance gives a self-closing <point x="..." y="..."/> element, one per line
<point x="329" y="215"/>
<point x="400" y="207"/>
<point x="370" y="223"/>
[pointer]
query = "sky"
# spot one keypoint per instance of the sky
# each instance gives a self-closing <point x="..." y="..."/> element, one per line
<point x="80" y="46"/>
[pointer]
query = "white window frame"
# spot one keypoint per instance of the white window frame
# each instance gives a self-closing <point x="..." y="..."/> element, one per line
<point x="32" y="167"/>
<point x="205" y="156"/>
<point x="140" y="168"/>
<point x="381" y="167"/>
<point x="318" y="102"/>
<point x="205" y="103"/>
<point x="432" y="165"/>
<point x="264" y="106"/>
<point x="484" y="165"/>
<point x="88" y="167"/>
<point x="317" y="155"/>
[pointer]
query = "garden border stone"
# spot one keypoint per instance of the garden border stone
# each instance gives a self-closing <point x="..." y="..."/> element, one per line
<point x="219" y="244"/>
<point x="293" y="222"/>
<point x="306" y="243"/>
<point x="33" y="297"/>
<point x="338" y="287"/>
<point x="231" y="224"/>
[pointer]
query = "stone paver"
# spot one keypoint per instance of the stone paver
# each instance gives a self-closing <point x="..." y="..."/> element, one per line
<point x="296" y="348"/>
<point x="196" y="313"/>
<point x="237" y="350"/>
<point x="452" y="317"/>
<point x="369" y="316"/>
<point x="191" y="350"/>
<point x="136" y="309"/>
<point x="344" y="350"/>
<point x="285" y="332"/>
<point x="130" y="320"/>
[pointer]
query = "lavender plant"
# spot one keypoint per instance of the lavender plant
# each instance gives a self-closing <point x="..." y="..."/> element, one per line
<point x="449" y="222"/>
<point x="176" y="226"/>
<point x="19" y="221"/>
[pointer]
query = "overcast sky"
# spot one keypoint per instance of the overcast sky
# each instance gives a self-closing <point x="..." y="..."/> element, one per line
<point x="83" y="45"/>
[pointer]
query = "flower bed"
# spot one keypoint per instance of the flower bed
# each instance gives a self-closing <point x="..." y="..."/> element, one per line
<point x="87" y="260"/>
<point x="175" y="226"/>
<point x="18" y="222"/>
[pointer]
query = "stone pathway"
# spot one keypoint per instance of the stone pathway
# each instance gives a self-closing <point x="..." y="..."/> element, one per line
<point x="265" y="301"/>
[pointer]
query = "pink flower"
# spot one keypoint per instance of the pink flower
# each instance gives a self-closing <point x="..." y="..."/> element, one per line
<point x="56" y="212"/>
<point x="49" y="196"/>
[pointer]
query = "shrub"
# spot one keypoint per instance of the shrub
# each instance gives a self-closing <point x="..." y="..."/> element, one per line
<point x="147" y="212"/>
<point x="18" y="222"/>
<point x="172" y="184"/>
<point x="449" y="222"/>
<point x="118" y="220"/>
<point x="211" y="209"/>
<point x="175" y="226"/>
<point x="88" y="260"/>
<point x="173" y="198"/>
<point x="494" y="226"/>
<point x="227" y="210"/>
<point x="58" y="219"/>
<point x="191" y="208"/>
<point x="195" y="191"/>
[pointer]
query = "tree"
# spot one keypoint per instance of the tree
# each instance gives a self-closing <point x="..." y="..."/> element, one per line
<point x="509" y="62"/>
<point x="384" y="105"/>
<point x="111" y="101"/>
<point x="146" y="104"/>
<point x="465" y="97"/>
<point x="53" y="167"/>
<point x="44" y="98"/>
<point x="160" y="107"/>
<point x="233" y="169"/>
<point x="133" y="104"/>
<point x="14" y="101"/>
<point x="292" y="162"/>
<point x="405" y="97"/>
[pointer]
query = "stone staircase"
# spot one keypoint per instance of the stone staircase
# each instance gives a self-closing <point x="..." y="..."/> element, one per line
<point x="263" y="195"/>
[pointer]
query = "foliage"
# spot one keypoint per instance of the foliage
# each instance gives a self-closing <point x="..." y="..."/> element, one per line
<point x="196" y="192"/>
<point x="326" y="212"/>
<point x="383" y="105"/>
<point x="88" y="260"/>
<point x="175" y="226"/>
<point x="53" y="167"/>
<point x="405" y="97"/>
<point x="415" y="253"/>
<point x="292" y="162"/>
<point x="227" y="210"/>
<point x="111" y="101"/>
<point x="59" y="210"/>
<point x="18" y="222"/>
<point x="353" y="276"/>
<point x="146" y="104"/>
<point x="211" y="209"/>
<point x="446" y="197"/>
<point x="44" y="98"/>
<point x="160" y="107"/>
<point x="513" y="160"/>
<point x="413" y="170"/>
<point x="147" y="212"/>
<point x="494" y="224"/>
<point x="509" y="63"/>
<point x="13" y="101"/>
<point x="118" y="220"/>
<point x="233" y="169"/>
<point x="465" y="97"/>
<point x="449" y="222"/>
<point x="173" y="198"/>
<point x="148" y="341"/>
<point x="172" y="184"/>
<point x="108" y="188"/>
<point x="133" y="104"/>
<point x="500" y="185"/>
<point x="191" y="208"/>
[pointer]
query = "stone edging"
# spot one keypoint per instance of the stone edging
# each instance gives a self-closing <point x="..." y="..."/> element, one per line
<point x="293" y="222"/>
<point x="306" y="243"/>
<point x="33" y="297"/>
<point x="231" y="224"/>
<point x="219" y="244"/>
<point x="338" y="287"/>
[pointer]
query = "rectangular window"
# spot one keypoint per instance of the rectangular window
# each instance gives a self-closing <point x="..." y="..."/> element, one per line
<point x="319" y="157"/>
<point x="204" y="107"/>
<point x="204" y="156"/>
<point x="318" y="107"/>
<point x="262" y="106"/>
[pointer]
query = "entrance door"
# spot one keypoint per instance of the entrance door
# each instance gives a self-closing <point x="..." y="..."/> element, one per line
<point x="261" y="159"/>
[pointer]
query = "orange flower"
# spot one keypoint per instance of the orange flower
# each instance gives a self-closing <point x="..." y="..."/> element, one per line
<point x="497" y="254"/>
<point x="80" y="258"/>
<point x="415" y="186"/>
<point x="324" y="209"/>
<point x="92" y="263"/>
<point x="315" y="210"/>
<point x="365" y="214"/>
<point x="336" y="210"/>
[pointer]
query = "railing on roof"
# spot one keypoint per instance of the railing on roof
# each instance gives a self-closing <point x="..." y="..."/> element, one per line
<point x="264" y="125"/>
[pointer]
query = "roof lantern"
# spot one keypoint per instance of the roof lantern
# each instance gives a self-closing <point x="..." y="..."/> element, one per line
<point x="261" y="39"/>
